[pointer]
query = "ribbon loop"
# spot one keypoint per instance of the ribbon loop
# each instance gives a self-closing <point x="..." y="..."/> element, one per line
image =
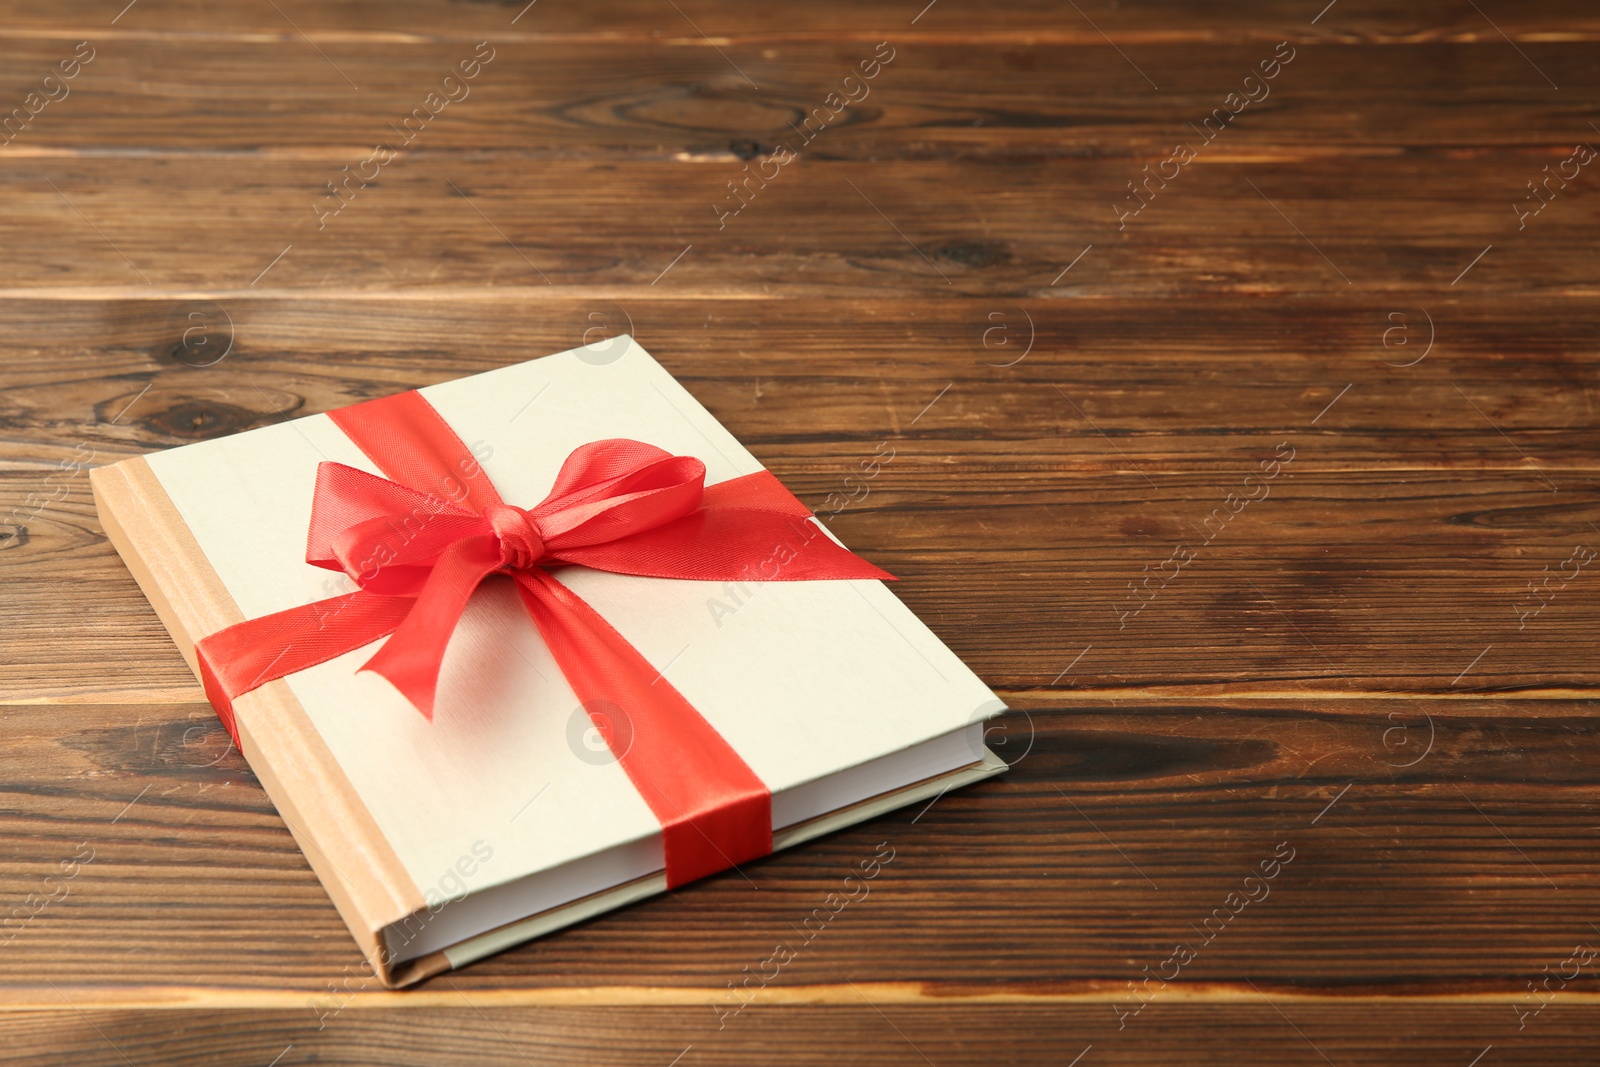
<point x="619" y="502"/>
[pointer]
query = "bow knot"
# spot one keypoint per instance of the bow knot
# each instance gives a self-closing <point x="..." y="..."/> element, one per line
<point x="521" y="547"/>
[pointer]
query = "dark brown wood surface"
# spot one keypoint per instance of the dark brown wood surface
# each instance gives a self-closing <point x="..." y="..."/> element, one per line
<point x="1378" y="679"/>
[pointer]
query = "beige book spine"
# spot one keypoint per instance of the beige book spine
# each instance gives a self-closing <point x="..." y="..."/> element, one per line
<point x="334" y="829"/>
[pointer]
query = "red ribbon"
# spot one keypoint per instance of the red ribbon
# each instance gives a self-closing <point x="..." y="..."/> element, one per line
<point x="419" y="543"/>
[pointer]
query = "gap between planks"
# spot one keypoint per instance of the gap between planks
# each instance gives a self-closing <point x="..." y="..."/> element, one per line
<point x="1029" y="37"/>
<point x="643" y="292"/>
<point x="601" y="154"/>
<point x="101" y="998"/>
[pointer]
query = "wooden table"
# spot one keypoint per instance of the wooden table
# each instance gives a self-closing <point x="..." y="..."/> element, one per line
<point x="1250" y="456"/>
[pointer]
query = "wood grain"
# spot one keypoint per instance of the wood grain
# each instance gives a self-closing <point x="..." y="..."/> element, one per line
<point x="1350" y="667"/>
<point x="988" y="22"/>
<point x="1035" y="384"/>
<point x="71" y="232"/>
<point x="1332" y="583"/>
<point x="536" y="100"/>
<point x="1117" y="830"/>
<point x="1272" y="1030"/>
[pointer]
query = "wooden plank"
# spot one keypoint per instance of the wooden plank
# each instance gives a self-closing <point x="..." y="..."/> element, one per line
<point x="1269" y="1031"/>
<point x="1116" y="833"/>
<point x="989" y="22"/>
<point x="1183" y="581"/>
<point x="552" y="100"/>
<point x="1108" y="385"/>
<point x="120" y="227"/>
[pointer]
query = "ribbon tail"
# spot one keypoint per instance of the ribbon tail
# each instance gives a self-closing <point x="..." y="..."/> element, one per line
<point x="412" y="657"/>
<point x="715" y="812"/>
<point x="257" y="651"/>
<point x="728" y="544"/>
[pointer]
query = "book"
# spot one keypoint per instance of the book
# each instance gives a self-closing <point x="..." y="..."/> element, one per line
<point x="507" y="814"/>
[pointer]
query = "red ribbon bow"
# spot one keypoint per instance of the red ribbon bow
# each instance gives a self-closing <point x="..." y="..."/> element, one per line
<point x="419" y="543"/>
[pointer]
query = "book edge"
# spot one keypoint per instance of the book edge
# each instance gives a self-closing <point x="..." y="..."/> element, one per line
<point x="520" y="931"/>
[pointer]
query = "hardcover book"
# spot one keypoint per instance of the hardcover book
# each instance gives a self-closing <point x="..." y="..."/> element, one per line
<point x="554" y="643"/>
